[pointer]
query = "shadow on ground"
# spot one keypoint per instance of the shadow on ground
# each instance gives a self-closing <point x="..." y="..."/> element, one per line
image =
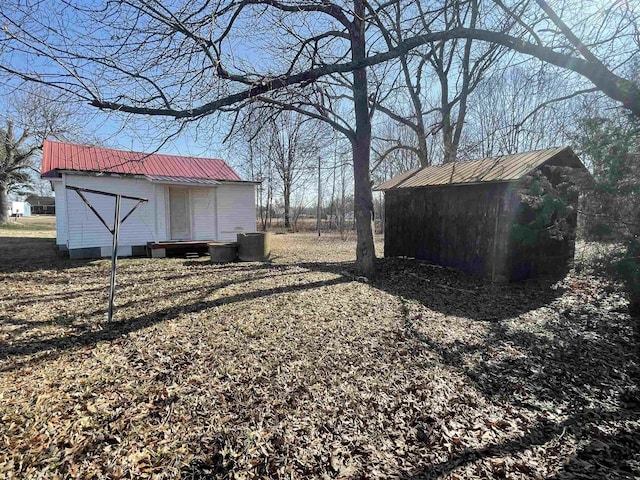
<point x="584" y="363"/>
<point x="454" y="293"/>
<point x="579" y="358"/>
<point x="116" y="329"/>
<point x="31" y="254"/>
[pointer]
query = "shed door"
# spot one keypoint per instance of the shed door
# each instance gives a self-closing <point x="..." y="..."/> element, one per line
<point x="179" y="218"/>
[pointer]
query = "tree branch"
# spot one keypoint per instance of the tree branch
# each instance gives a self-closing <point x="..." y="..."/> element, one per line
<point x="624" y="91"/>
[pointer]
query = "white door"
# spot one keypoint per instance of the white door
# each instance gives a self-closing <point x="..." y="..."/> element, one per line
<point x="179" y="218"/>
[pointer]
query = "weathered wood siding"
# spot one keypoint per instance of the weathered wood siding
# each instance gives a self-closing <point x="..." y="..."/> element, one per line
<point x="469" y="227"/>
<point x="452" y="226"/>
<point x="546" y="256"/>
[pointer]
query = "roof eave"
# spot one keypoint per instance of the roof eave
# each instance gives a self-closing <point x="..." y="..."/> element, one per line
<point x="445" y="185"/>
<point x="182" y="181"/>
<point x="97" y="173"/>
<point x="240" y="182"/>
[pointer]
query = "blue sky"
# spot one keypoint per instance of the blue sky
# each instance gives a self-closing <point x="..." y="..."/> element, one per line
<point x="137" y="133"/>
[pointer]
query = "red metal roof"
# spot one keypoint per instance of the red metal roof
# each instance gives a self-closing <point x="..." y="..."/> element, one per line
<point x="57" y="156"/>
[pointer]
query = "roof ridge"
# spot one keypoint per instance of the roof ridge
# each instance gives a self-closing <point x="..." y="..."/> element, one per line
<point x="146" y="154"/>
<point x="507" y="167"/>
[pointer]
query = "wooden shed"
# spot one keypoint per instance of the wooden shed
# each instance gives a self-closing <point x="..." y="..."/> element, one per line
<point x="505" y="218"/>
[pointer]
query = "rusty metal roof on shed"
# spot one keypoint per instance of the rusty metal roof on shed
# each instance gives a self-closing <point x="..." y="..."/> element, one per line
<point x="505" y="168"/>
<point x="60" y="157"/>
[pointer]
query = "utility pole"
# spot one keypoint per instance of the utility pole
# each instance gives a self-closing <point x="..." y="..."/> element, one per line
<point x="319" y="196"/>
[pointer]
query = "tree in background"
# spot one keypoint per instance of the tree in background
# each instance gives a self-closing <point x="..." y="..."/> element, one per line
<point x="612" y="206"/>
<point x="294" y="146"/>
<point x="33" y="115"/>
<point x="183" y="60"/>
<point x="439" y="78"/>
<point x="610" y="147"/>
<point x="282" y="149"/>
<point x="15" y="162"/>
<point x="519" y="108"/>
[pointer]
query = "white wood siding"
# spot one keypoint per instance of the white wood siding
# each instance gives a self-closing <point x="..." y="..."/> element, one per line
<point x="85" y="230"/>
<point x="236" y="210"/>
<point x="61" y="213"/>
<point x="161" y="208"/>
<point x="203" y="213"/>
<point x="217" y="213"/>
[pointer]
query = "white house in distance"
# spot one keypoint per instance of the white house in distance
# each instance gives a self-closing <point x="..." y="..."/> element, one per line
<point x="19" y="209"/>
<point x="188" y="198"/>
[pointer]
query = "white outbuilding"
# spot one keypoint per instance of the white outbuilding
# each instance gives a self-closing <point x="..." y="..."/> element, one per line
<point x="19" y="209"/>
<point x="189" y="199"/>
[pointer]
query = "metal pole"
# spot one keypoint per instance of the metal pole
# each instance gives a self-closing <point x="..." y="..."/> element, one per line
<point x="319" y="197"/>
<point x="114" y="257"/>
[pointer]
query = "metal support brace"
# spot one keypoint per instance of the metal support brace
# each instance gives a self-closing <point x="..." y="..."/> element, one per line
<point x="114" y="257"/>
<point x="114" y="231"/>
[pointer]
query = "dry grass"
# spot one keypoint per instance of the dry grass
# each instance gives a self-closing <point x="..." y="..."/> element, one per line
<point x="35" y="222"/>
<point x="298" y="369"/>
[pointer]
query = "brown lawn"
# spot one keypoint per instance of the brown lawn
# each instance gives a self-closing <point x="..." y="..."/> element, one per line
<point x="299" y="369"/>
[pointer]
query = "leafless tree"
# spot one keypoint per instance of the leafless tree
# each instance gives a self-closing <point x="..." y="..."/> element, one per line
<point x="519" y="108"/>
<point x="32" y="115"/>
<point x="456" y="66"/>
<point x="291" y="142"/>
<point x="253" y="162"/>
<point x="393" y="152"/>
<point x="200" y="58"/>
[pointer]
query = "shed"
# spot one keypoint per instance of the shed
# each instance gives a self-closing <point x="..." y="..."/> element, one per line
<point x="189" y="199"/>
<point x="42" y="205"/>
<point x="504" y="218"/>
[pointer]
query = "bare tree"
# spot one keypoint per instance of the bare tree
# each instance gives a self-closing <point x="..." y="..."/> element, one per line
<point x="35" y="115"/>
<point x="143" y="57"/>
<point x="393" y="152"/>
<point x="519" y="108"/>
<point x="291" y="142"/>
<point x="457" y="66"/>
<point x="458" y="79"/>
<point x="251" y="150"/>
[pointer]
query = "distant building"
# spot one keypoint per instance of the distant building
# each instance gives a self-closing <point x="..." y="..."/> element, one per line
<point x="42" y="205"/>
<point x="19" y="209"/>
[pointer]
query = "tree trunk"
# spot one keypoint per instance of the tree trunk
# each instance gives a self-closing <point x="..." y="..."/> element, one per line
<point x="450" y="150"/>
<point x="287" y="205"/>
<point x="422" y="144"/>
<point x="4" y="204"/>
<point x="447" y="128"/>
<point x="363" y="205"/>
<point x="361" y="143"/>
<point x="420" y="130"/>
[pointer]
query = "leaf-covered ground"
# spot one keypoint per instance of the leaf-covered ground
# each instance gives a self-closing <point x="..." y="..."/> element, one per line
<point x="299" y="369"/>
